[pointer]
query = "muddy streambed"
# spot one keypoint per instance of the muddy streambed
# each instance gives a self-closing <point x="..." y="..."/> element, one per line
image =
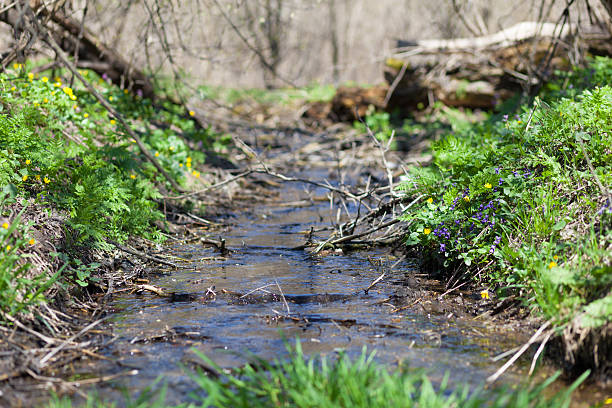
<point x="325" y="299"/>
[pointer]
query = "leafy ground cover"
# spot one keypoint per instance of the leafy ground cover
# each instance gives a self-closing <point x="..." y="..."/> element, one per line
<point x="60" y="150"/>
<point x="520" y="203"/>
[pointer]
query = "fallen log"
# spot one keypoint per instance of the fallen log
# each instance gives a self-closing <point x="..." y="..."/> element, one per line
<point x="480" y="72"/>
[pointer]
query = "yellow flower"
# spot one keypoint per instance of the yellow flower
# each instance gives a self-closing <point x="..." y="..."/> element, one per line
<point x="36" y="104"/>
<point x="58" y="79"/>
<point x="57" y="84"/>
<point x="608" y="401"/>
<point x="125" y="91"/>
<point x="156" y="154"/>
<point x="188" y="164"/>
<point x="113" y="121"/>
<point x="552" y="265"/>
<point x="30" y="76"/>
<point x="8" y="248"/>
<point x="519" y="122"/>
<point x="171" y="148"/>
<point x="488" y="185"/>
<point x="110" y="98"/>
<point x="24" y="177"/>
<point x="46" y="180"/>
<point x="430" y="200"/>
<point x="5" y="225"/>
<point x="16" y="65"/>
<point x="191" y="113"/>
<point x="37" y="177"/>
<point x="28" y="161"/>
<point x="73" y="97"/>
<point x="427" y="231"/>
<point x="188" y="159"/>
<point x="133" y="140"/>
<point x="44" y="79"/>
<point x="75" y="106"/>
<point x="484" y="294"/>
<point x="132" y="176"/>
<point x="45" y="100"/>
<point x="196" y="173"/>
<point x="53" y="92"/>
<point x="67" y="90"/>
<point x="32" y="241"/>
<point x="13" y="88"/>
<point x="556" y="257"/>
<point x="180" y="164"/>
<point x="86" y="115"/>
<point x="467" y="198"/>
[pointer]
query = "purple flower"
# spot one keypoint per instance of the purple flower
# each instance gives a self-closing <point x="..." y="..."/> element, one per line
<point x="497" y="170"/>
<point x="105" y="76"/>
<point x="442" y="248"/>
<point x="505" y="118"/>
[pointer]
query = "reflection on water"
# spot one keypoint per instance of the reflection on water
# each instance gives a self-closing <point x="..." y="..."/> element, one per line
<point x="261" y="257"/>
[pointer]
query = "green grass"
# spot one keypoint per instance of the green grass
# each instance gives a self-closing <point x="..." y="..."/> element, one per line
<point x="521" y="201"/>
<point x="341" y="382"/>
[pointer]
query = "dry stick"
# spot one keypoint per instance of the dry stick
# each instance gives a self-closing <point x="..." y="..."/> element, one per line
<point x="48" y="340"/>
<point x="283" y="296"/>
<point x="214" y="186"/>
<point x="395" y="83"/>
<point x="114" y="113"/>
<point x="374" y="283"/>
<point x="361" y="234"/>
<point x="140" y="254"/>
<point x="56" y="350"/>
<point x="261" y="288"/>
<point x="540" y="350"/>
<point x="519" y="353"/>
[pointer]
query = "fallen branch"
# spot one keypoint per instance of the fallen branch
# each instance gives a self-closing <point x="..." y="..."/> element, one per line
<point x="140" y="254"/>
<point x="532" y="340"/>
<point x="113" y="112"/>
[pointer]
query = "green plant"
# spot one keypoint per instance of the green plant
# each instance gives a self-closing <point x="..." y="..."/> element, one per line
<point x="521" y="202"/>
<point x="309" y="382"/>
<point x="20" y="286"/>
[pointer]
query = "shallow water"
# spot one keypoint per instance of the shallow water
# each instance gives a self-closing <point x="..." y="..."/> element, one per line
<point x="261" y="256"/>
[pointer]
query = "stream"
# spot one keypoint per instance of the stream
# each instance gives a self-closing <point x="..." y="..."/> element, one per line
<point x="290" y="294"/>
<point x="325" y="296"/>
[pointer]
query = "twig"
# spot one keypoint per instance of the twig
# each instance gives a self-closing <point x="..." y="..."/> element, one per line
<point x="374" y="283"/>
<point x="540" y="350"/>
<point x="140" y="254"/>
<point x="283" y="297"/>
<point x="519" y="353"/>
<point x="56" y="350"/>
<point x="114" y="113"/>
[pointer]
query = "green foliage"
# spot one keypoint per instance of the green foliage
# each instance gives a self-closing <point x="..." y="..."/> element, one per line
<point x="378" y="123"/>
<point x="59" y="145"/>
<point x="318" y="382"/>
<point x="517" y="200"/>
<point x="20" y="288"/>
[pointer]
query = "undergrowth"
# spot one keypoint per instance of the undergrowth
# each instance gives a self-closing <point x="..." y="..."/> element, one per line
<point x="521" y="203"/>
<point x="59" y="147"/>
